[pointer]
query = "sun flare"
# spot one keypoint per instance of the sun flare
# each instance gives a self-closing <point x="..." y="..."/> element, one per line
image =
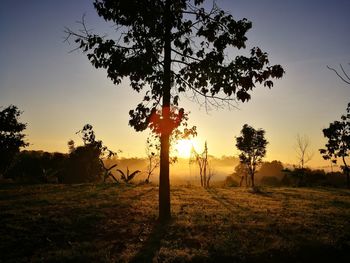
<point x="184" y="147"/>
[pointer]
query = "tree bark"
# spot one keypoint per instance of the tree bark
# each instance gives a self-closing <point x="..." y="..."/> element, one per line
<point x="252" y="178"/>
<point x="164" y="182"/>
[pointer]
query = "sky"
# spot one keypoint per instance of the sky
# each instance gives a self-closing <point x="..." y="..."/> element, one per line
<point x="59" y="91"/>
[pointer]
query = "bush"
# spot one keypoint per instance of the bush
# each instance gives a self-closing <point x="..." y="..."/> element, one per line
<point x="37" y="167"/>
<point x="231" y="181"/>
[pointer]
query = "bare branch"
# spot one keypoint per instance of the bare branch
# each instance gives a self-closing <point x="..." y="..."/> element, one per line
<point x="340" y="76"/>
<point x="303" y="150"/>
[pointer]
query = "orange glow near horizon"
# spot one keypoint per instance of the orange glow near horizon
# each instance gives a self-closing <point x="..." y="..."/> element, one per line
<point x="184" y="147"/>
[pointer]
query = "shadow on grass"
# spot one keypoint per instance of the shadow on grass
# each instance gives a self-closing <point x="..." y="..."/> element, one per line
<point x="152" y="244"/>
<point x="138" y="196"/>
<point x="224" y="202"/>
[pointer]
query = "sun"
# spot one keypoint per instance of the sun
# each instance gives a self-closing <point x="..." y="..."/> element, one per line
<point x="184" y="147"/>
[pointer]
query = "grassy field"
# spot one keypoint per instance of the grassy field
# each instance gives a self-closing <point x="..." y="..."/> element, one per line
<point x="109" y="223"/>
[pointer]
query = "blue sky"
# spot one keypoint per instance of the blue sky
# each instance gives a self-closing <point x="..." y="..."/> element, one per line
<point x="60" y="91"/>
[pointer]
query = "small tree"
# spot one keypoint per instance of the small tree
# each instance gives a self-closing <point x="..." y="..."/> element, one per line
<point x="303" y="150"/>
<point x="84" y="162"/>
<point x="203" y="164"/>
<point x="241" y="172"/>
<point x="252" y="144"/>
<point x="338" y="144"/>
<point x="153" y="159"/>
<point x="11" y="136"/>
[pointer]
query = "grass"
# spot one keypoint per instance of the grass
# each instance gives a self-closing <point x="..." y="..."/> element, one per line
<point x="109" y="223"/>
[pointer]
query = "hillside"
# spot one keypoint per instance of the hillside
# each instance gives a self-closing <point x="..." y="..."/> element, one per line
<point x="109" y="223"/>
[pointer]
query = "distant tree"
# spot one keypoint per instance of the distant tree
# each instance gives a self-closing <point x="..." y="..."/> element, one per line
<point x="11" y="136"/>
<point x="273" y="168"/>
<point x="252" y="144"/>
<point x="202" y="161"/>
<point x="84" y="163"/>
<point x="71" y="146"/>
<point x="342" y="75"/>
<point x="37" y="167"/>
<point x="303" y="150"/>
<point x="153" y="149"/>
<point x="174" y="46"/>
<point x="241" y="172"/>
<point x="338" y="145"/>
<point x="271" y="173"/>
<point x="153" y="156"/>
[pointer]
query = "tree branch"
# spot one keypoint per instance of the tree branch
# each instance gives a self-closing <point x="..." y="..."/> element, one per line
<point x="340" y="76"/>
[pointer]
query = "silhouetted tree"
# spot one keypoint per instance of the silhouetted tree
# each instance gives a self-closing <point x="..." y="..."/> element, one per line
<point x="71" y="146"/>
<point x="270" y="173"/>
<point x="174" y="46"/>
<point x="205" y="171"/>
<point x="84" y="164"/>
<point x="303" y="150"/>
<point x="153" y="147"/>
<point x="11" y="136"/>
<point x="37" y="167"/>
<point x="252" y="144"/>
<point x="338" y="145"/>
<point x="241" y="172"/>
<point x="153" y="156"/>
<point x="273" y="168"/>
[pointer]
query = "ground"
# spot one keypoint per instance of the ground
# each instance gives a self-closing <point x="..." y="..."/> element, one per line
<point x="117" y="223"/>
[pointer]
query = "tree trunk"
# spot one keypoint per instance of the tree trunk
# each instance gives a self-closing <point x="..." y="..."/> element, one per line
<point x="252" y="178"/>
<point x="164" y="183"/>
<point x="205" y="162"/>
<point x="240" y="183"/>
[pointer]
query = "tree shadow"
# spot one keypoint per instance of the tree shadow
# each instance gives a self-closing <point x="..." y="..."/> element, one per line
<point x="223" y="200"/>
<point x="152" y="244"/>
<point x="142" y="194"/>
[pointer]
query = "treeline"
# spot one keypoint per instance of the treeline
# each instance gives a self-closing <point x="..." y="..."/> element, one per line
<point x="274" y="174"/>
<point x="79" y="166"/>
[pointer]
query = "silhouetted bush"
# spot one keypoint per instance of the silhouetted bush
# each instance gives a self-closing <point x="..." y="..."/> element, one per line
<point x="83" y="165"/>
<point x="37" y="167"/>
<point x="270" y="181"/>
<point x="308" y="178"/>
<point x="231" y="181"/>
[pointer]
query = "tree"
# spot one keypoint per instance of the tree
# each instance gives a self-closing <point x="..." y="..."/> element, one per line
<point x="338" y="145"/>
<point x="11" y="136"/>
<point x="85" y="162"/>
<point x="241" y="172"/>
<point x="171" y="47"/>
<point x="205" y="171"/>
<point x="252" y="144"/>
<point x="152" y="152"/>
<point x="303" y="150"/>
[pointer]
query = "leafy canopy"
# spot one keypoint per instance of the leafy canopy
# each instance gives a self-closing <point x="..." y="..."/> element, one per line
<point x="200" y="66"/>
<point x="338" y="135"/>
<point x="252" y="144"/>
<point x="11" y="135"/>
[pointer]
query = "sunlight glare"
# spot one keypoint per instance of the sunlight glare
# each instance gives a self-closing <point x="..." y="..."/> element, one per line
<point x="183" y="148"/>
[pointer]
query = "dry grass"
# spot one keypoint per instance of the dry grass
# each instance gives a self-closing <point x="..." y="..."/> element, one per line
<point x="109" y="223"/>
